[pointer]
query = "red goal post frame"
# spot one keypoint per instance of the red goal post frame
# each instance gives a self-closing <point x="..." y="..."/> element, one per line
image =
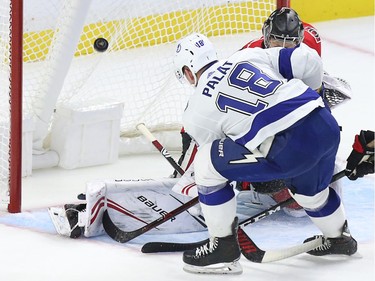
<point x="16" y="74"/>
<point x="16" y="66"/>
<point x="282" y="3"/>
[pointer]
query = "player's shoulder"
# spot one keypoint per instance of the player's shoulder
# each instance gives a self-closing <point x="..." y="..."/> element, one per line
<point x="303" y="51"/>
<point x="253" y="54"/>
<point x="312" y="37"/>
<point x="255" y="43"/>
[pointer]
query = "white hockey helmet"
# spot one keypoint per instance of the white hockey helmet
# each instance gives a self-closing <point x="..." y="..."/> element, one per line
<point x="194" y="51"/>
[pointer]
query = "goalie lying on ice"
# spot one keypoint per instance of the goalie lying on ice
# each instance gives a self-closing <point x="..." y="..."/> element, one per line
<point x="132" y="203"/>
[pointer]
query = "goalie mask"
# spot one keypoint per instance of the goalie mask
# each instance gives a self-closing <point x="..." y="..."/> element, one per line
<point x="284" y="25"/>
<point x="194" y="51"/>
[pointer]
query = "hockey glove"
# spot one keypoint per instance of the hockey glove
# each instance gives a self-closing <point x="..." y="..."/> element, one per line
<point x="269" y="187"/>
<point x="261" y="187"/>
<point x="186" y="141"/>
<point x="361" y="160"/>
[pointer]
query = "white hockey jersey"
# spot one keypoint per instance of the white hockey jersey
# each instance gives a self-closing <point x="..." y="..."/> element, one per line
<point x="254" y="94"/>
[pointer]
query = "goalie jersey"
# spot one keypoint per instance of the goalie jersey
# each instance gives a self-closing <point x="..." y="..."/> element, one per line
<point x="257" y="93"/>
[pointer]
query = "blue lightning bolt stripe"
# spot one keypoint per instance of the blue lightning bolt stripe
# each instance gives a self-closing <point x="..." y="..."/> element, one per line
<point x="270" y="115"/>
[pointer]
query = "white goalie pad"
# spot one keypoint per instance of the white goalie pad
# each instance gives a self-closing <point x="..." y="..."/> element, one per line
<point x="96" y="193"/>
<point x="134" y="203"/>
<point x="59" y="220"/>
<point x="186" y="184"/>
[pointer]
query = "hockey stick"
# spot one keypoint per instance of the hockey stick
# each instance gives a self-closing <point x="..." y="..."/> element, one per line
<point x="146" y="132"/>
<point x="124" y="236"/>
<point x="282" y="204"/>
<point x="253" y="253"/>
<point x="248" y="248"/>
<point x="155" y="247"/>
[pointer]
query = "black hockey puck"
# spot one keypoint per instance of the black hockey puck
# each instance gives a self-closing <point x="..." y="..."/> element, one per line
<point x="101" y="45"/>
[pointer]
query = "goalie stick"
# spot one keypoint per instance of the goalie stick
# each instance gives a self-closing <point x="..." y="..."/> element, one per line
<point x="248" y="247"/>
<point x="143" y="129"/>
<point x="122" y="236"/>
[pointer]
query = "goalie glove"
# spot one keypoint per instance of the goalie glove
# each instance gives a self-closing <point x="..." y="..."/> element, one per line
<point x="269" y="187"/>
<point x="189" y="149"/>
<point x="335" y="90"/>
<point x="261" y="187"/>
<point x="361" y="160"/>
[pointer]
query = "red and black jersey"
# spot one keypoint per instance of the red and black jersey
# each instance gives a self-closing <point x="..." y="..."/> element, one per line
<point x="311" y="39"/>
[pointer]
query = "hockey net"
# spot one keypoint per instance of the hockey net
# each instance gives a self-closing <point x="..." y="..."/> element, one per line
<point x="61" y="68"/>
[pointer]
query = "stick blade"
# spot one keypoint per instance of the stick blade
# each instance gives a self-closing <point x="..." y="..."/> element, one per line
<point x="114" y="232"/>
<point x="248" y="248"/>
<point x="163" y="247"/>
<point x="276" y="255"/>
<point x="253" y="253"/>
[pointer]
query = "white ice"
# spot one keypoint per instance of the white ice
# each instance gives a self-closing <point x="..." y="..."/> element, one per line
<point x="29" y="252"/>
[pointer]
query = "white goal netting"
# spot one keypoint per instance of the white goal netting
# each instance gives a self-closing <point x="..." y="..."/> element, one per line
<point x="63" y="70"/>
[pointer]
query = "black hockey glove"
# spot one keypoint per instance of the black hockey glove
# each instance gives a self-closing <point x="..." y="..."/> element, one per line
<point x="361" y="160"/>
<point x="186" y="140"/>
<point x="269" y="186"/>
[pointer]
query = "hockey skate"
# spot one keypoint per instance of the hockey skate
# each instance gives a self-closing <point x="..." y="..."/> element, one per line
<point x="343" y="245"/>
<point x="68" y="220"/>
<point x="219" y="255"/>
<point x="72" y="211"/>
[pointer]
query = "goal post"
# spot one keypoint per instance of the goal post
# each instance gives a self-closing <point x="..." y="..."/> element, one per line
<point x="77" y="100"/>
<point x="15" y="160"/>
<point x="11" y="31"/>
<point x="283" y="3"/>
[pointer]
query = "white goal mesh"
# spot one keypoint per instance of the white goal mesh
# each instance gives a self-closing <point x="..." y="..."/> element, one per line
<point x="63" y="70"/>
<point x="137" y="67"/>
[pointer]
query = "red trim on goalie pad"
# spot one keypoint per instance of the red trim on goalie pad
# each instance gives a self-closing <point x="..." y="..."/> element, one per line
<point x="96" y="208"/>
<point x="187" y="188"/>
<point x="113" y="205"/>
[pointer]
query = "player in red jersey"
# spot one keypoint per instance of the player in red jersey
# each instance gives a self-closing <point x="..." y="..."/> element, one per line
<point x="310" y="37"/>
<point x="283" y="28"/>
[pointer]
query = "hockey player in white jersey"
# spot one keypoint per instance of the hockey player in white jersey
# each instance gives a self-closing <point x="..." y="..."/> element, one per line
<point x="257" y="117"/>
<point x="283" y="28"/>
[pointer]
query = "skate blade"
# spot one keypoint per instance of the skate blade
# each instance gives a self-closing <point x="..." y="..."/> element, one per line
<point x="218" y="268"/>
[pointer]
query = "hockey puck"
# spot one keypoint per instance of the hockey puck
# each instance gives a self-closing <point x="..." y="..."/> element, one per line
<point x="101" y="45"/>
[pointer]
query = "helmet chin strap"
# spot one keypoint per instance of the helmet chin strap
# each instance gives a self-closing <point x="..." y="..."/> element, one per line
<point x="193" y="76"/>
<point x="284" y="40"/>
<point x="195" y="79"/>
